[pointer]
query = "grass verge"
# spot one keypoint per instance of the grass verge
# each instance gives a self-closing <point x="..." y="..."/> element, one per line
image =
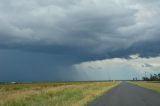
<point x="154" y="86"/>
<point x="68" y="94"/>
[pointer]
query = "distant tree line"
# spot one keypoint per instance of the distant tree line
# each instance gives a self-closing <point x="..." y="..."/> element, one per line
<point x="154" y="77"/>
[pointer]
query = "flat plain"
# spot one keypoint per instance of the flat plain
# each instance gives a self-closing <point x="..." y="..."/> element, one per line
<point x="53" y="94"/>
<point x="151" y="85"/>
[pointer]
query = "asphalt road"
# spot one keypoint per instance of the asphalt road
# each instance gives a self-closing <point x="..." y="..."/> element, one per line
<point x="128" y="95"/>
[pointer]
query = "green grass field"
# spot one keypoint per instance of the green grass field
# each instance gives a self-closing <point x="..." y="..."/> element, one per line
<point x="53" y="94"/>
<point x="152" y="85"/>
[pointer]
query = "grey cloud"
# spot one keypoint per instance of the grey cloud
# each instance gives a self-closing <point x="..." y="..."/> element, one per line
<point x="80" y="30"/>
<point x="147" y="65"/>
<point x="91" y="27"/>
<point x="83" y="23"/>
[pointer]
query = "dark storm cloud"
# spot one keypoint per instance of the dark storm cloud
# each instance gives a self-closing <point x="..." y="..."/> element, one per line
<point x="27" y="66"/>
<point x="77" y="27"/>
<point x="83" y="27"/>
<point x="80" y="30"/>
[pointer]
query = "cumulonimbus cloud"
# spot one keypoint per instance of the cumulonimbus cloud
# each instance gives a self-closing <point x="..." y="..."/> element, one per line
<point x="75" y="31"/>
<point x="87" y="27"/>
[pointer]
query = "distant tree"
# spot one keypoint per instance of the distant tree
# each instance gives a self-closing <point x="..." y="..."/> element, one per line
<point x="145" y="78"/>
<point x="136" y="79"/>
<point x="159" y="76"/>
<point x="155" y="77"/>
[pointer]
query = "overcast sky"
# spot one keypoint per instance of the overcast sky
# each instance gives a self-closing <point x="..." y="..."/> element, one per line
<point x="59" y="40"/>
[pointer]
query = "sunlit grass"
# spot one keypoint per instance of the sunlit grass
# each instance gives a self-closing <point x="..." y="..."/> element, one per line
<point x="52" y="94"/>
<point x="155" y="86"/>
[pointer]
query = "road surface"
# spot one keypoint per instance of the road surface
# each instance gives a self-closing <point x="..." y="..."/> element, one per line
<point x="128" y="95"/>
